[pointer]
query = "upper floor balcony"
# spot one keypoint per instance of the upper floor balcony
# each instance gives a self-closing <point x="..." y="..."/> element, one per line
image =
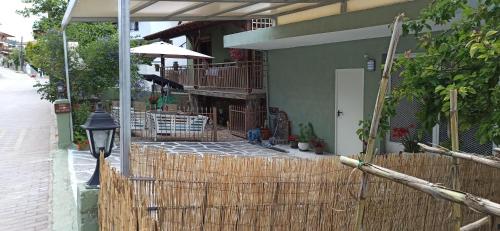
<point x="242" y="76"/>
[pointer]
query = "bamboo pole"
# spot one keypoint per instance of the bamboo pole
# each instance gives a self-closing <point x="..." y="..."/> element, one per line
<point x="377" y="113"/>
<point x="490" y="161"/>
<point x="476" y="224"/>
<point x="473" y="202"/>
<point x="455" y="182"/>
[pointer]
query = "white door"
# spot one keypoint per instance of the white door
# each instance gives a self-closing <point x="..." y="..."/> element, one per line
<point x="349" y="110"/>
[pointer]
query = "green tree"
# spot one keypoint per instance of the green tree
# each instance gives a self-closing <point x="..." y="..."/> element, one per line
<point x="49" y="12"/>
<point x="14" y="56"/>
<point x="464" y="57"/>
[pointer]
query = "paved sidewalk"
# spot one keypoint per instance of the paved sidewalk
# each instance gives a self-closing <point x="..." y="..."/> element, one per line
<point x="26" y="125"/>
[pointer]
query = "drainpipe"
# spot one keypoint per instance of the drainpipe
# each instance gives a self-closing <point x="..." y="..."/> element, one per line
<point x="68" y="90"/>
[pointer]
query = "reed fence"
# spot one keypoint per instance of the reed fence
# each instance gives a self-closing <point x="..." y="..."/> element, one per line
<point x="213" y="192"/>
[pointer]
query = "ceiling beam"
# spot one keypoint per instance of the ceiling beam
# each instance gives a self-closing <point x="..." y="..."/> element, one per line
<point x="268" y="8"/>
<point x="256" y="1"/>
<point x="174" y="18"/>
<point x="308" y="7"/>
<point x="186" y="9"/>
<point x="232" y="9"/>
<point x="343" y="6"/>
<point x="142" y="6"/>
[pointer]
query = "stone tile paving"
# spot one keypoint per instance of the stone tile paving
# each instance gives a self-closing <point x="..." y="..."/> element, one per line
<point x="27" y="125"/>
<point x="83" y="163"/>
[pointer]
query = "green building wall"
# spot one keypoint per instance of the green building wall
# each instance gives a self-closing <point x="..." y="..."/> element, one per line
<point x="302" y="80"/>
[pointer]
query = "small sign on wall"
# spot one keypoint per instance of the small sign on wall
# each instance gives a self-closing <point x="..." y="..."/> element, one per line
<point x="62" y="108"/>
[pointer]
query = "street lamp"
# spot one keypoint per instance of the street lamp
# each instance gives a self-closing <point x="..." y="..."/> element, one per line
<point x="100" y="128"/>
<point x="60" y="89"/>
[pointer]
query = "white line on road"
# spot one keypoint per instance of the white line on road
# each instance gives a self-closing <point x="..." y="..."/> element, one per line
<point x="20" y="138"/>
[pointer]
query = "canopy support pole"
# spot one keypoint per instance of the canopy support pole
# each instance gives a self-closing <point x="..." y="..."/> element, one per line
<point x="68" y="89"/>
<point x="124" y="60"/>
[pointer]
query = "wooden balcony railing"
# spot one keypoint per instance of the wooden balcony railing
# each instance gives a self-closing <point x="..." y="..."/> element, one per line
<point x="233" y="75"/>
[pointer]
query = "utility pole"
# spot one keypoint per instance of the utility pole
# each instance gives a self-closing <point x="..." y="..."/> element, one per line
<point x="21" y="56"/>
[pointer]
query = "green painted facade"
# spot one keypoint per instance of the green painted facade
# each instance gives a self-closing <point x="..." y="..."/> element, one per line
<point x="352" y="20"/>
<point x="302" y="80"/>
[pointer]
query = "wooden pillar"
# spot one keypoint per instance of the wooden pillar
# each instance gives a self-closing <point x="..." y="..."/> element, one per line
<point x="162" y="66"/>
<point x="456" y="210"/>
<point x="214" y="115"/>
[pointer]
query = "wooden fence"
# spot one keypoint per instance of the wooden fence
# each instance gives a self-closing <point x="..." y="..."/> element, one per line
<point x="242" y="119"/>
<point x="212" y="192"/>
<point x="244" y="75"/>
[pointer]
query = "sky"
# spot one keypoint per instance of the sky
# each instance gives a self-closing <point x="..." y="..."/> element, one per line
<point x="13" y="23"/>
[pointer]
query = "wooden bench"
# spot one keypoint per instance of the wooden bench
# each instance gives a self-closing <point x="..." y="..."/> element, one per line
<point x="173" y="125"/>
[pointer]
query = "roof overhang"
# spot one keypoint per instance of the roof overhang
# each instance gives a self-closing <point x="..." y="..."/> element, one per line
<point x="187" y="10"/>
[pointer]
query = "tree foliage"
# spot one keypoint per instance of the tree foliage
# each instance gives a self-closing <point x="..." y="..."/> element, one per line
<point x="465" y="57"/>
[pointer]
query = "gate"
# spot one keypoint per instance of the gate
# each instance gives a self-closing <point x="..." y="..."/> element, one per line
<point x="243" y="118"/>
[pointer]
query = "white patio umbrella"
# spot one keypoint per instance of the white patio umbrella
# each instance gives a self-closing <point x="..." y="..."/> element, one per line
<point x="167" y="50"/>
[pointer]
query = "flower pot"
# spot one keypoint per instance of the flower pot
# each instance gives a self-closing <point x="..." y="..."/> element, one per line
<point x="83" y="146"/>
<point x="303" y="146"/>
<point x="294" y="144"/>
<point x="319" y="150"/>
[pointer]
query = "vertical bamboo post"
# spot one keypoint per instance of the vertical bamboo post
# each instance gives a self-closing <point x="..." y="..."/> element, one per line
<point x="494" y="223"/>
<point x="456" y="212"/>
<point x="214" y="115"/>
<point x="377" y="113"/>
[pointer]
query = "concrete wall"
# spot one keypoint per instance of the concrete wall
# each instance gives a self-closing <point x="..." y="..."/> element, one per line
<point x="302" y="80"/>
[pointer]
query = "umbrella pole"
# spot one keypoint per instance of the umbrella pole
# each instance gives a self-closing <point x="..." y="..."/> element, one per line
<point x="162" y="67"/>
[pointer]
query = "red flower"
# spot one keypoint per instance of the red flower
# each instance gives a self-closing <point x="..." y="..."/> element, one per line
<point x="398" y="133"/>
<point x="292" y="138"/>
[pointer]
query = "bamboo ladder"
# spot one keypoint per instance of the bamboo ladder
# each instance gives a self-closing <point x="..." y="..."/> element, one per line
<point x="370" y="149"/>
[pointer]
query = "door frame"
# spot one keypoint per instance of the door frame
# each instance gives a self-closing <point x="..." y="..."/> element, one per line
<point x="337" y="98"/>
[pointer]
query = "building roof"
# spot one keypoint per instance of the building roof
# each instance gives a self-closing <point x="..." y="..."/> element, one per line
<point x="3" y="34"/>
<point x="183" y="29"/>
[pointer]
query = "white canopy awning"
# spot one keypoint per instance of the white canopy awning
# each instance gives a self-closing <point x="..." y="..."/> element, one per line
<point x="286" y="11"/>
<point x="187" y="10"/>
<point x="168" y="50"/>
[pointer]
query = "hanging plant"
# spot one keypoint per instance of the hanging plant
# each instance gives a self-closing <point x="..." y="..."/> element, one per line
<point x="238" y="54"/>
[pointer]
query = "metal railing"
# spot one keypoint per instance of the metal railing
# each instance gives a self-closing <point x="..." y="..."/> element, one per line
<point x="245" y="75"/>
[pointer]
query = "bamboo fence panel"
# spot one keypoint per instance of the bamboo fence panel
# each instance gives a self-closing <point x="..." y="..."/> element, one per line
<point x="214" y="192"/>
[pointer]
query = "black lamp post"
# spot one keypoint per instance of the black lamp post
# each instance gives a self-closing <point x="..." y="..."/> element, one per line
<point x="100" y="128"/>
<point x="60" y="89"/>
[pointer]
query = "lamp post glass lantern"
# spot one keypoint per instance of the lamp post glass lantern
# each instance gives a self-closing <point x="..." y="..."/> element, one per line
<point x="60" y="89"/>
<point x="100" y="128"/>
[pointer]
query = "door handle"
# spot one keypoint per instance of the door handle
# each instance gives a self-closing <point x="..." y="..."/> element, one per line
<point x="339" y="113"/>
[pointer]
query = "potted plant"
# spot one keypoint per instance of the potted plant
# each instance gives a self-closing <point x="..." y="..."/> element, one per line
<point x="305" y="136"/>
<point x="81" y="142"/>
<point x="294" y="142"/>
<point x="410" y="143"/>
<point x="318" y="145"/>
